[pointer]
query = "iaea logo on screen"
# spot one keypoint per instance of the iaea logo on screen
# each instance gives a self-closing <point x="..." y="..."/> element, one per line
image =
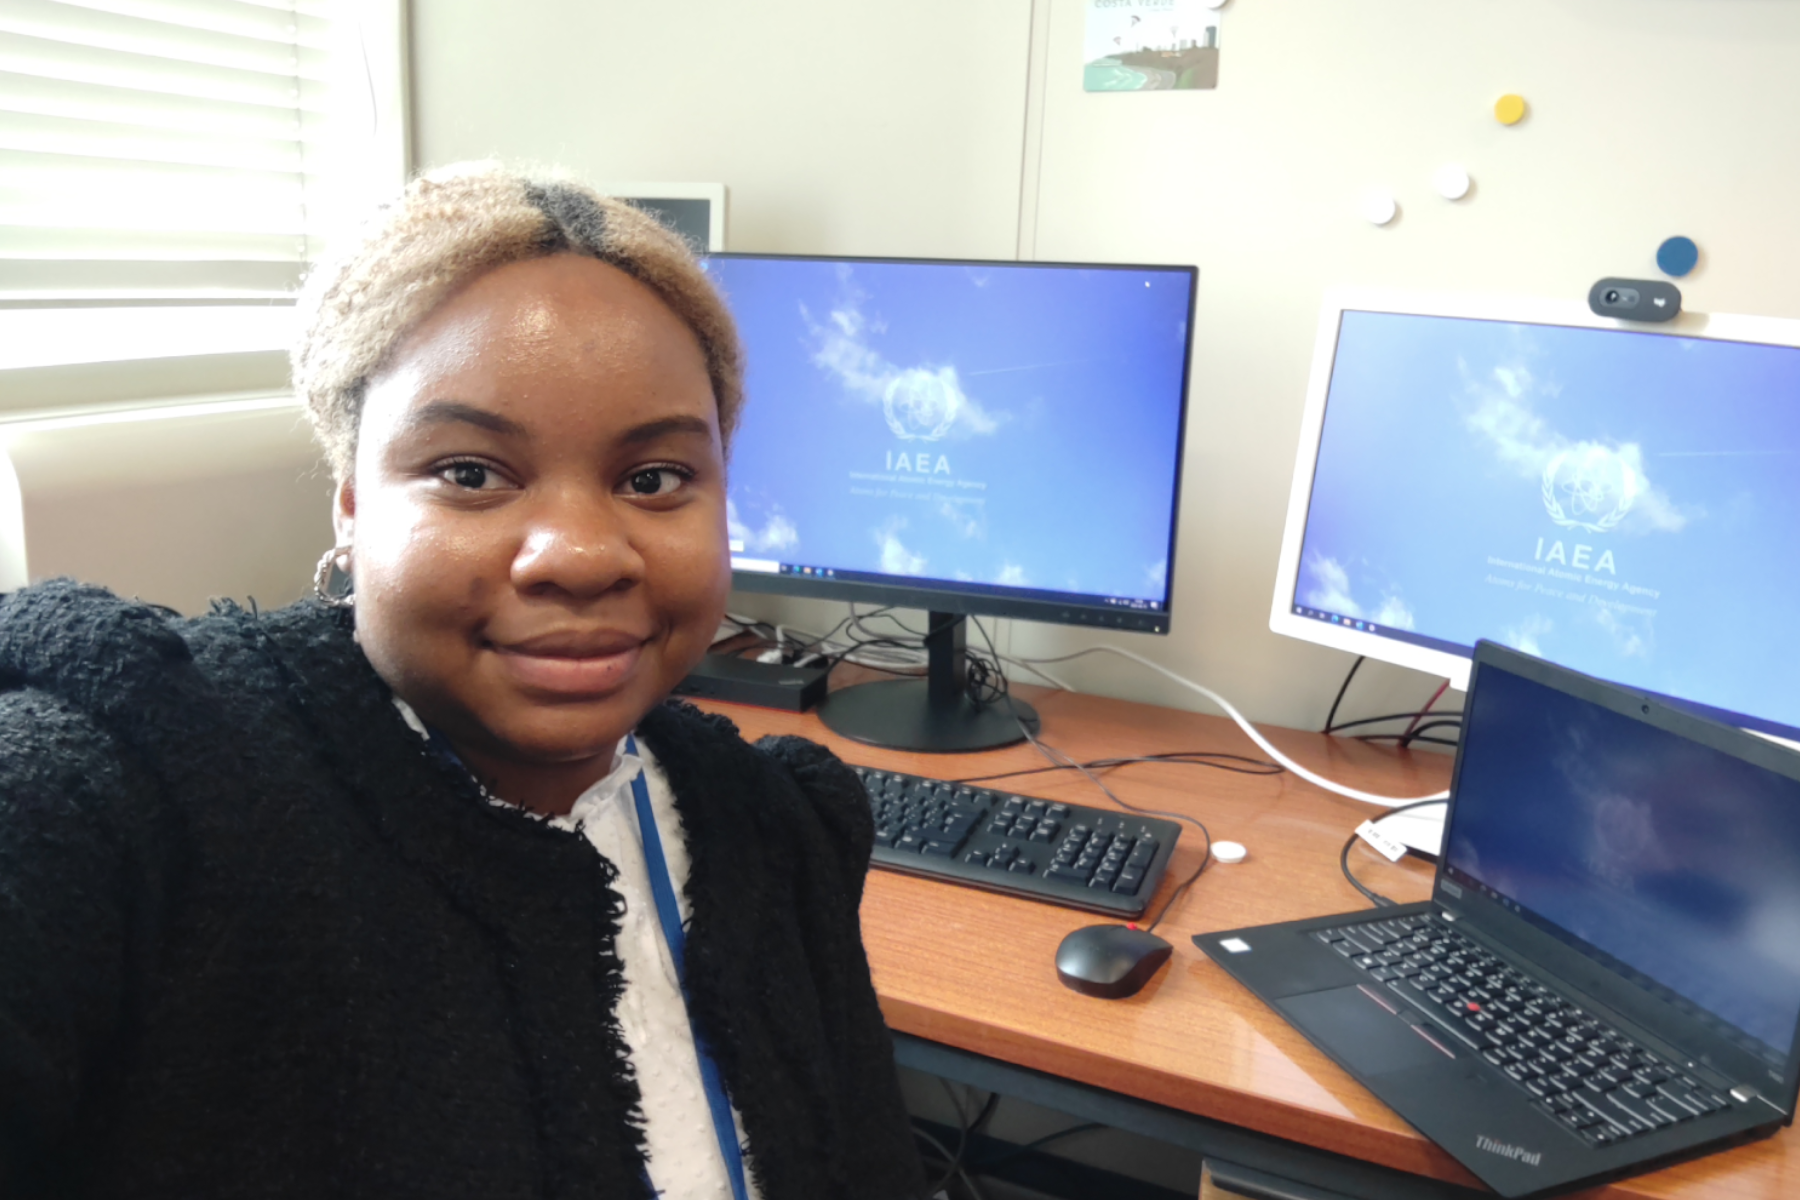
<point x="921" y="405"/>
<point x="1598" y="485"/>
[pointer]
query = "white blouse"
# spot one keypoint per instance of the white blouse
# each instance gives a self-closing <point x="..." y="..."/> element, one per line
<point x="684" y="1158"/>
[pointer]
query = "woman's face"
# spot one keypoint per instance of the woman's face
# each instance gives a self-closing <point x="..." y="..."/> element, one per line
<point x="537" y="520"/>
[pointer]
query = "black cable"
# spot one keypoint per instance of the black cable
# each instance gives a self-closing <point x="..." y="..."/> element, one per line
<point x="856" y="647"/>
<point x="1409" y="716"/>
<point x="886" y="611"/>
<point x="1413" y="735"/>
<point x="1403" y="740"/>
<point x="984" y="682"/>
<point x="987" y="1165"/>
<point x="1051" y="753"/>
<point x="945" y="1154"/>
<point x="812" y="646"/>
<point x="1195" y="758"/>
<point x="1375" y="898"/>
<point x="967" y="1129"/>
<point x="1184" y="885"/>
<point x="1332" y="715"/>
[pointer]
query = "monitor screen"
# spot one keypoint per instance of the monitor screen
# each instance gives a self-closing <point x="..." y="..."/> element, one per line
<point x="966" y="437"/>
<point x="696" y="211"/>
<point x="1674" y="859"/>
<point x="1617" y="499"/>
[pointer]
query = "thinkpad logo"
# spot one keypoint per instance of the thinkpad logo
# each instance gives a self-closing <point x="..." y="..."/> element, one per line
<point x="1516" y="1153"/>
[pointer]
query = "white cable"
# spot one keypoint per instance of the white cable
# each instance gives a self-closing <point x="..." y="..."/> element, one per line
<point x="1040" y="673"/>
<point x="1249" y="729"/>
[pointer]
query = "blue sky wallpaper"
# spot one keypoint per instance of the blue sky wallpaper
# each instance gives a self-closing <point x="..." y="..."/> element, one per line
<point x="986" y="423"/>
<point x="1619" y="501"/>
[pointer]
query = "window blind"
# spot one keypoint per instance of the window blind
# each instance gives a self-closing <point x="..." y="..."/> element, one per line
<point x="169" y="150"/>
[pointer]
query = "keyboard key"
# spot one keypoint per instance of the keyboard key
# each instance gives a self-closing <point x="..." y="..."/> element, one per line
<point x="1639" y="1109"/>
<point x="1674" y="1093"/>
<point x="1676" y="1113"/>
<point x="1610" y="1117"/>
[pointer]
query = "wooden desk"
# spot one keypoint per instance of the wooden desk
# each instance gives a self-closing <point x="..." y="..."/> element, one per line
<point x="973" y="972"/>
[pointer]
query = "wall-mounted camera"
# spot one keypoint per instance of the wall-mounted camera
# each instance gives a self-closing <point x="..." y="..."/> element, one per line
<point x="1635" y="299"/>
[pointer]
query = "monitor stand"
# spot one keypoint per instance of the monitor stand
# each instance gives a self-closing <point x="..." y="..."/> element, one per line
<point x="933" y="714"/>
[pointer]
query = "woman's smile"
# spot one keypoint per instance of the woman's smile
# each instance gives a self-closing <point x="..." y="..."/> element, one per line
<point x="571" y="664"/>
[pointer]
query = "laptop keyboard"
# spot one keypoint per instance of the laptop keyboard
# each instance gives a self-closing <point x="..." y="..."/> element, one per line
<point x="1593" y="1079"/>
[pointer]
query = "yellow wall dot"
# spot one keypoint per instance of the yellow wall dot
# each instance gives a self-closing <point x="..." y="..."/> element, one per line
<point x="1509" y="109"/>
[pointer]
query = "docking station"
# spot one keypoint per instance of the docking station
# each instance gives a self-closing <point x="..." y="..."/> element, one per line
<point x="745" y="681"/>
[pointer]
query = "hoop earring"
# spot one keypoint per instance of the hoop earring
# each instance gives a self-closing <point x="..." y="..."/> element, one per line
<point x="322" y="579"/>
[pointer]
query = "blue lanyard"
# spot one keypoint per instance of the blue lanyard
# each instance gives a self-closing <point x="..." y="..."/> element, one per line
<point x="668" y="915"/>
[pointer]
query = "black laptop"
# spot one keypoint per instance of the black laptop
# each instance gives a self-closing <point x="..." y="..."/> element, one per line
<point x="1607" y="975"/>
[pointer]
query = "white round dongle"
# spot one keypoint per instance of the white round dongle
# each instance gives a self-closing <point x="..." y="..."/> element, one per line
<point x="1229" y="852"/>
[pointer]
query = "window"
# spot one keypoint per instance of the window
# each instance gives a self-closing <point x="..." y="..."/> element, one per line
<point x="167" y="170"/>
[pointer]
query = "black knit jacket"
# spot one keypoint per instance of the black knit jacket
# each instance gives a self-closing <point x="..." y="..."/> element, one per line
<point x="257" y="939"/>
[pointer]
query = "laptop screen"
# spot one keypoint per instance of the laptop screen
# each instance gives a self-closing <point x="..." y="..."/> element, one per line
<point x="1677" y="861"/>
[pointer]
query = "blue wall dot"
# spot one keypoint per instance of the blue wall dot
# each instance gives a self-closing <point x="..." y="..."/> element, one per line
<point x="1677" y="256"/>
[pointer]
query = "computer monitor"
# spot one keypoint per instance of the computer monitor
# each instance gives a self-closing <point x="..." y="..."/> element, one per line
<point x="694" y="210"/>
<point x="1618" y="498"/>
<point x="969" y="438"/>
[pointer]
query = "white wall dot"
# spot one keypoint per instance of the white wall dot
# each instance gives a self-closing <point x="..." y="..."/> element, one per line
<point x="1378" y="207"/>
<point x="1451" y="181"/>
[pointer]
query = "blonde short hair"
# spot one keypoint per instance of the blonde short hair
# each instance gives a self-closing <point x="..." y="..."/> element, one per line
<point x="446" y="228"/>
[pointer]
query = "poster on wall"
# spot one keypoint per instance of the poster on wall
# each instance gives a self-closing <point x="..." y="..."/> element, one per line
<point x="1150" y="46"/>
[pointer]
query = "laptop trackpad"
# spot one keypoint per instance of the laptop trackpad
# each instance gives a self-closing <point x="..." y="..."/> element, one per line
<point x="1363" y="1030"/>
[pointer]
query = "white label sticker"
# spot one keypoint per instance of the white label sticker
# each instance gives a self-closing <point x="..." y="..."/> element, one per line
<point x="1384" y="845"/>
<point x="1235" y="945"/>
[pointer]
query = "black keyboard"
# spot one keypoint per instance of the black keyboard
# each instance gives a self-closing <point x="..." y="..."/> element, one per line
<point x="1594" y="1080"/>
<point x="1068" y="854"/>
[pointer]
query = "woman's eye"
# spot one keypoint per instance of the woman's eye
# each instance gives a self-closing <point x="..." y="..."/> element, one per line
<point x="471" y="475"/>
<point x="654" y="481"/>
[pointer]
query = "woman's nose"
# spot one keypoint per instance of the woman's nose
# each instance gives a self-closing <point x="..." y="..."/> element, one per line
<point x="577" y="543"/>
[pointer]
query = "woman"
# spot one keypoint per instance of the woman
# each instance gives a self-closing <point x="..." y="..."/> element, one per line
<point x="422" y="889"/>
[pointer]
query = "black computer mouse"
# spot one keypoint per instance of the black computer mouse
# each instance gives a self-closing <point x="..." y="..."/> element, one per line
<point x="1110" y="961"/>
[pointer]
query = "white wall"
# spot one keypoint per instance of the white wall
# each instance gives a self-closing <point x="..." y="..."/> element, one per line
<point x="839" y="127"/>
<point x="906" y="129"/>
